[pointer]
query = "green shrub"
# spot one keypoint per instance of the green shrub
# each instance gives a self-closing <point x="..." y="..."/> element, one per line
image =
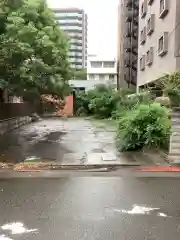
<point x="144" y="126"/>
<point x="170" y="84"/>
<point x="100" y="101"/>
<point x="128" y="102"/>
<point x="82" y="103"/>
<point x="103" y="104"/>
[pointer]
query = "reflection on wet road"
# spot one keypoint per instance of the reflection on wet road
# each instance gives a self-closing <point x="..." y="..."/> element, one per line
<point x="90" y="208"/>
<point x="58" y="140"/>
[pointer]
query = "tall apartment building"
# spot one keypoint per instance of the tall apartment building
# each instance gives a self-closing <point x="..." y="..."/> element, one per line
<point x="74" y="22"/>
<point x="127" y="49"/>
<point x="159" y="39"/>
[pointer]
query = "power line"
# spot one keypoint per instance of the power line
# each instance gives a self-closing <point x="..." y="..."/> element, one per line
<point x="178" y="24"/>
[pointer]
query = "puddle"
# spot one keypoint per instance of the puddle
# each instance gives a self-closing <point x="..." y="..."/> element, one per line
<point x="142" y="210"/>
<point x="17" y="228"/>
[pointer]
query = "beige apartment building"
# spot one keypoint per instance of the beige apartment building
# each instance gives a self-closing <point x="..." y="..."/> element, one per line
<point x="127" y="43"/>
<point x="159" y="39"/>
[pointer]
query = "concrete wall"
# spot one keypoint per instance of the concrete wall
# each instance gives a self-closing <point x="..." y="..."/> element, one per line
<point x="166" y="63"/>
<point x="10" y="124"/>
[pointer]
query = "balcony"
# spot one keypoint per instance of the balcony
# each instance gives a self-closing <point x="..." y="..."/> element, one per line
<point x="131" y="48"/>
<point x="130" y="80"/>
<point x="131" y="3"/>
<point x="129" y="65"/>
<point x="129" y="18"/>
<point x="131" y="35"/>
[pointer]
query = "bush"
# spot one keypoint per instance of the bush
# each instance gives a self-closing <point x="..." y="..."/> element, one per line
<point x="128" y="102"/>
<point x="144" y="126"/>
<point x="82" y="103"/>
<point x="103" y="103"/>
<point x="170" y="84"/>
<point x="100" y="101"/>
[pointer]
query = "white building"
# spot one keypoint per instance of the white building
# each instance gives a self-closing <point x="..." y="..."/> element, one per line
<point x="102" y="70"/>
<point x="84" y="85"/>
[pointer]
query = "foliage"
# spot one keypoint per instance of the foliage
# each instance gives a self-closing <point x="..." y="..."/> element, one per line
<point x="79" y="74"/>
<point x="144" y="126"/>
<point x="102" y="101"/>
<point x="33" y="50"/>
<point x="170" y="83"/>
<point x="128" y="101"/>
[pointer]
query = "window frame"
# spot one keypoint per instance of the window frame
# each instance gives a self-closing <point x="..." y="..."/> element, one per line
<point x="142" y="63"/>
<point x="143" y="35"/>
<point x="143" y="8"/>
<point x="149" y="56"/>
<point x="150" y="24"/>
<point x="164" y="49"/>
<point x="165" y="10"/>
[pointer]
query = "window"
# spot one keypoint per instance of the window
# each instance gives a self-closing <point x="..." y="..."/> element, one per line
<point x="108" y="64"/>
<point x="142" y="63"/>
<point x="96" y="64"/>
<point x="149" y="56"/>
<point x="71" y="28"/>
<point x="163" y="8"/>
<point x="143" y="36"/>
<point x="162" y="5"/>
<point x="163" y="44"/>
<point x="68" y="14"/>
<point x="143" y="9"/>
<point x="150" y="24"/>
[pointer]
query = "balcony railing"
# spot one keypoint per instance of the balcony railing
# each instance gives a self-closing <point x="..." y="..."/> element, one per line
<point x="131" y="3"/>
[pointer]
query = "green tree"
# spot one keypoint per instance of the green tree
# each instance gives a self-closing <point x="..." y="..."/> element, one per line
<point x="33" y="50"/>
<point x="80" y="74"/>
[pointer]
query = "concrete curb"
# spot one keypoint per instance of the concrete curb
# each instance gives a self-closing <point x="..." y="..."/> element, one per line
<point x="92" y="166"/>
<point x="51" y="166"/>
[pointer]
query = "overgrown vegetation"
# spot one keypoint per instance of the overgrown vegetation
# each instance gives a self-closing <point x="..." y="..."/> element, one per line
<point x="102" y="101"/>
<point x="170" y="84"/>
<point x="34" y="51"/>
<point x="146" y="125"/>
<point x="79" y="74"/>
<point x="141" y="122"/>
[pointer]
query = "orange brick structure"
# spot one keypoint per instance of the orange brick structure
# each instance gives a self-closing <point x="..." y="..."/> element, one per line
<point x="68" y="108"/>
<point x="63" y="108"/>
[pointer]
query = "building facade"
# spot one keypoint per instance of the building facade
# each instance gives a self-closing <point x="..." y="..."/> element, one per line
<point x="159" y="39"/>
<point x="127" y="49"/>
<point x="102" y="70"/>
<point x="73" y="21"/>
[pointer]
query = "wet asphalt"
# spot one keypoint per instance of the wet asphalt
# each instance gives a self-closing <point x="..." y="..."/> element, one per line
<point x="90" y="208"/>
<point x="64" y="141"/>
<point x="74" y="141"/>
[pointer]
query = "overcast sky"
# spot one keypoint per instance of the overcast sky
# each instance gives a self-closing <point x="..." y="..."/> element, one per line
<point x="102" y="23"/>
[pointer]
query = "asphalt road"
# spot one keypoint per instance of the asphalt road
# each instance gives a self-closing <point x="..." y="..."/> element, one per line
<point x="90" y="208"/>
